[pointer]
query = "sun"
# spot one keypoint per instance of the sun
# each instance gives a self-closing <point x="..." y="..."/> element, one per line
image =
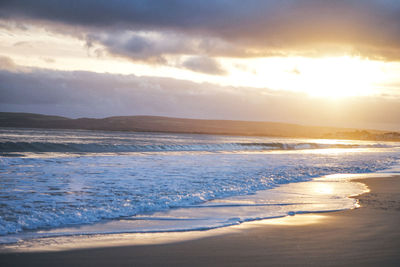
<point x="327" y="77"/>
<point x="338" y="77"/>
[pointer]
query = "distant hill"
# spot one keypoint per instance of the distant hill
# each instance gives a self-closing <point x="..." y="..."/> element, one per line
<point x="177" y="125"/>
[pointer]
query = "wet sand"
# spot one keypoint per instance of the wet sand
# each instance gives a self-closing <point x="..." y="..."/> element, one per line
<point x="367" y="236"/>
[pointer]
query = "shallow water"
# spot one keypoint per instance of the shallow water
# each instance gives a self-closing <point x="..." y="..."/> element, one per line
<point x="63" y="182"/>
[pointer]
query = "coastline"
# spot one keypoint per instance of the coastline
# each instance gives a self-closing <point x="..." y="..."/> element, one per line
<point x="365" y="236"/>
<point x="168" y="125"/>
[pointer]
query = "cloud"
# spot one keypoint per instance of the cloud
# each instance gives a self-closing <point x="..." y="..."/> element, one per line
<point x="135" y="47"/>
<point x="295" y="71"/>
<point x="367" y="28"/>
<point x="48" y="60"/>
<point x="151" y="47"/>
<point x="156" y="47"/>
<point x="87" y="94"/>
<point x="7" y="63"/>
<point x="204" y="64"/>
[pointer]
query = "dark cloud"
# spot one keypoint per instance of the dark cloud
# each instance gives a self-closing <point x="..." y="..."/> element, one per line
<point x="135" y="47"/>
<point x="368" y="28"/>
<point x="103" y="13"/>
<point x="155" y="47"/>
<point x="148" y="47"/>
<point x="204" y="65"/>
<point x="87" y="94"/>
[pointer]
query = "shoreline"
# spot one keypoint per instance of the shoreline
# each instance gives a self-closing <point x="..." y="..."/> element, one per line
<point x="368" y="235"/>
<point x="320" y="195"/>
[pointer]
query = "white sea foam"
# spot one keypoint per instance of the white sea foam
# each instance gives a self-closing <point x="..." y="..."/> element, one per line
<point x="216" y="182"/>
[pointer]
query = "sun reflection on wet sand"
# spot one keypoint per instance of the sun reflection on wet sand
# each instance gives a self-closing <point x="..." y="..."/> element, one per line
<point x="323" y="188"/>
<point x="302" y="219"/>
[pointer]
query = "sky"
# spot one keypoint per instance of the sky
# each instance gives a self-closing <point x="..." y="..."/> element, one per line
<point x="328" y="63"/>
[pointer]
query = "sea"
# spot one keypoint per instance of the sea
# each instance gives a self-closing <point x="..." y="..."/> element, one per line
<point x="77" y="182"/>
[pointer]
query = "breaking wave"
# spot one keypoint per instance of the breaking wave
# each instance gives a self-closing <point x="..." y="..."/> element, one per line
<point x="104" y="148"/>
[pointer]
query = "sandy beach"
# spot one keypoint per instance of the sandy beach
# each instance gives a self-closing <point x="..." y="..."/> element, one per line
<point x="367" y="236"/>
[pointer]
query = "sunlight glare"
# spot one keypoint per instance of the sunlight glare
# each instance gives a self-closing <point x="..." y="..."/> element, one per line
<point x="332" y="77"/>
<point x="323" y="188"/>
<point x="339" y="77"/>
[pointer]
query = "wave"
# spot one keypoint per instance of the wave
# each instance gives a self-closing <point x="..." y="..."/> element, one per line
<point x="78" y="191"/>
<point x="7" y="147"/>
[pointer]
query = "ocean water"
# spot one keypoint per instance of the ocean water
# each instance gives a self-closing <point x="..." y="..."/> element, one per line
<point x="73" y="182"/>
